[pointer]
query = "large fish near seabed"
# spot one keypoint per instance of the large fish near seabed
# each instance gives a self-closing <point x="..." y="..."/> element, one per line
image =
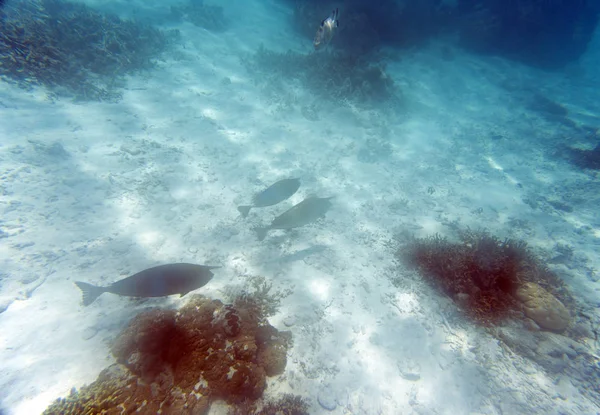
<point x="277" y="192"/>
<point x="326" y="30"/>
<point x="305" y="212"/>
<point x="158" y="281"/>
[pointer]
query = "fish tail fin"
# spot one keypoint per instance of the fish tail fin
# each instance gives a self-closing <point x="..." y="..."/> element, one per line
<point x="244" y="210"/>
<point x="261" y="233"/>
<point x="90" y="292"/>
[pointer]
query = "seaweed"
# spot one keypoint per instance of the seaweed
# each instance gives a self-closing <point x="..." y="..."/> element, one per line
<point x="260" y="298"/>
<point x="74" y="50"/>
<point x="481" y="272"/>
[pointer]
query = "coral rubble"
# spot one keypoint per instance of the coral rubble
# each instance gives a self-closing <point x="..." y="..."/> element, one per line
<point x="179" y="362"/>
<point x="72" y="49"/>
<point x="491" y="278"/>
<point x="286" y="404"/>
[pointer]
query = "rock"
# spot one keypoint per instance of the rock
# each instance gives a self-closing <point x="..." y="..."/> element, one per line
<point x="519" y="340"/>
<point x="130" y="149"/>
<point x="326" y="399"/>
<point x="89" y="333"/>
<point x="543" y="307"/>
<point x="410" y="369"/>
<point x="4" y="303"/>
<point x="555" y="345"/>
<point x="289" y="321"/>
<point x="531" y="325"/>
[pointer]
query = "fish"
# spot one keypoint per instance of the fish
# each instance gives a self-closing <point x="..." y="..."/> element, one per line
<point x="305" y="212"/>
<point x="277" y="192"/>
<point x="158" y="281"/>
<point x="326" y="30"/>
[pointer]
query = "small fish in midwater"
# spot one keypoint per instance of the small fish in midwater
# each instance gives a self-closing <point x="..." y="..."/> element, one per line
<point x="326" y="30"/>
<point x="277" y="192"/>
<point x="158" y="281"/>
<point x="305" y="212"/>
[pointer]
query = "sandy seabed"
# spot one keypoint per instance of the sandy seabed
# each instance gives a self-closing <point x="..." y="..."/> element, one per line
<point x="99" y="191"/>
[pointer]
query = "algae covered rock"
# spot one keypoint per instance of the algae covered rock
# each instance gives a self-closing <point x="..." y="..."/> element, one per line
<point x="179" y="362"/>
<point x="543" y="307"/>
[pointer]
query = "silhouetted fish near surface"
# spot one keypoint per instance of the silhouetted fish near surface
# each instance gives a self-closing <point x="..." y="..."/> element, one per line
<point x="277" y="192"/>
<point x="326" y="30"/>
<point x="305" y="212"/>
<point x="158" y="281"/>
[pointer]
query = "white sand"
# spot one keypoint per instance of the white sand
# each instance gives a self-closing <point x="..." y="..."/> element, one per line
<point x="157" y="177"/>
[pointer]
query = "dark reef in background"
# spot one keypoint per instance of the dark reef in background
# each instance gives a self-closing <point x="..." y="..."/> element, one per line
<point x="544" y="33"/>
<point x="365" y="26"/>
<point x="74" y="50"/>
<point x="338" y="78"/>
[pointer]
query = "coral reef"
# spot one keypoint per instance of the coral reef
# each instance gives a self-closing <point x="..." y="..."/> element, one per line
<point x="72" y="49"/>
<point x="196" y="12"/>
<point x="484" y="274"/>
<point x="333" y="77"/>
<point x="118" y="391"/>
<point x="179" y="362"/>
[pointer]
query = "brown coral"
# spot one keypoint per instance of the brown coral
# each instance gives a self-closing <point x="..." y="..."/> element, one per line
<point x="180" y="361"/>
<point x="543" y="308"/>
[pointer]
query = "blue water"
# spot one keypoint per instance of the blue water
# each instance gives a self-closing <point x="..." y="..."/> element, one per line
<point x="131" y="131"/>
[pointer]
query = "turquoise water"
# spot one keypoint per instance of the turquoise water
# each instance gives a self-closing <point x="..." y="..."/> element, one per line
<point x="130" y="132"/>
